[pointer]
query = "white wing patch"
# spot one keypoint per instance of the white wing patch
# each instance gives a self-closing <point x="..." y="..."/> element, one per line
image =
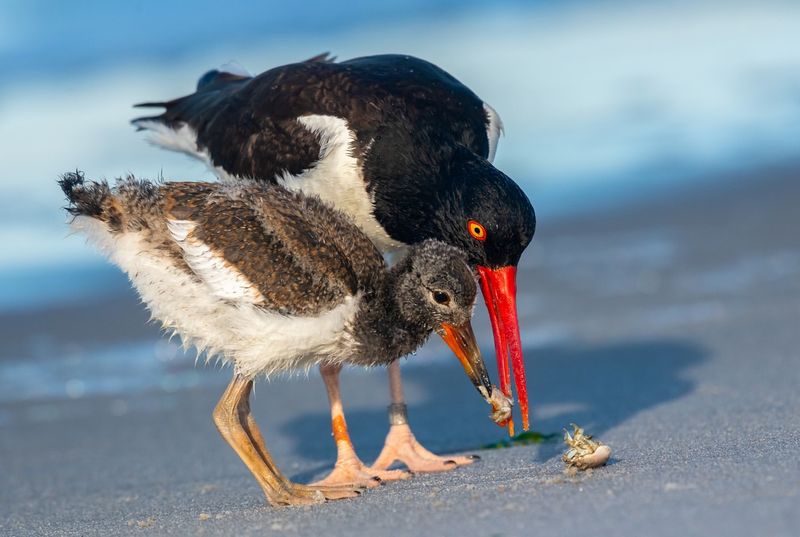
<point x="224" y="280"/>
<point x="493" y="130"/>
<point x="337" y="179"/>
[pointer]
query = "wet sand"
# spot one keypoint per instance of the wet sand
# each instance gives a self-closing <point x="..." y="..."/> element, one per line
<point x="668" y="329"/>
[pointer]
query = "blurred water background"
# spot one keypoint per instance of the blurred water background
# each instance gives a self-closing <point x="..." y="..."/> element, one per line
<point x="604" y="103"/>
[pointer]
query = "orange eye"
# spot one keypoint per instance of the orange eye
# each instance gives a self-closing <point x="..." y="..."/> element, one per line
<point x="476" y="230"/>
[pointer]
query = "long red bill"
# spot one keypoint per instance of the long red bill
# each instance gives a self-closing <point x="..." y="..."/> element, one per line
<point x="499" y="287"/>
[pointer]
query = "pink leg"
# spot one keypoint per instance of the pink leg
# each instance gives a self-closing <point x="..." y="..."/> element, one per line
<point x="402" y="446"/>
<point x="349" y="469"/>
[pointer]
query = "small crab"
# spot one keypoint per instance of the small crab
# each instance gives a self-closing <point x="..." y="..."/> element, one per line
<point x="583" y="452"/>
<point x="501" y="407"/>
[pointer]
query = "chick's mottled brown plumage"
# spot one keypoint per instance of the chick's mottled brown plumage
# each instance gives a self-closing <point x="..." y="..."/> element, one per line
<point x="270" y="281"/>
<point x="261" y="246"/>
<point x="300" y="255"/>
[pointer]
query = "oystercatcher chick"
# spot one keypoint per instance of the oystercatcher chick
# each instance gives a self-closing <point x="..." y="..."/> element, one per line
<point x="402" y="147"/>
<point x="269" y="281"/>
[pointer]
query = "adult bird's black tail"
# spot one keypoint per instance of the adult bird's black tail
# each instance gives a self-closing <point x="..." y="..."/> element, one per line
<point x="211" y="87"/>
<point x="208" y="86"/>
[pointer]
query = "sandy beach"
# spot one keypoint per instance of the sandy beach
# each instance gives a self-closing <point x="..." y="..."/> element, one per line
<point x="667" y="328"/>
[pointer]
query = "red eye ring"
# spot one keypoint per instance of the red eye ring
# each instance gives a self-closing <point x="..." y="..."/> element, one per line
<point x="477" y="230"/>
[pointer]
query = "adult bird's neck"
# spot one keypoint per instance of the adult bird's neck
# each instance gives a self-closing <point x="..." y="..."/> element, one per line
<point x="415" y="188"/>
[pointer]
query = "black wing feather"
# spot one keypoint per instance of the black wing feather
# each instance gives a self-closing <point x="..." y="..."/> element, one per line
<point x="249" y="127"/>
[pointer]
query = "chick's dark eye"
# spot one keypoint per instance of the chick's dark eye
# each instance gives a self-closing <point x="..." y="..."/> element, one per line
<point x="441" y="297"/>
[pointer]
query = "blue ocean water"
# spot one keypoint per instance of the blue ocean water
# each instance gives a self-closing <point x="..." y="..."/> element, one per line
<point x="602" y="101"/>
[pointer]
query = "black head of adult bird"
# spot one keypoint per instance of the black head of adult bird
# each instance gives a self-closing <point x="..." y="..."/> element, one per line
<point x="468" y="203"/>
<point x="394" y="141"/>
<point x="269" y="280"/>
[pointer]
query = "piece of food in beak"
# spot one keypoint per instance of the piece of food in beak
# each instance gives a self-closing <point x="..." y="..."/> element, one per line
<point x="501" y="407"/>
<point x="499" y="288"/>
<point x="461" y="340"/>
<point x="584" y="452"/>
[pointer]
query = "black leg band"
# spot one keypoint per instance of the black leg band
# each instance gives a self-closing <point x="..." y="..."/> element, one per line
<point x="398" y="414"/>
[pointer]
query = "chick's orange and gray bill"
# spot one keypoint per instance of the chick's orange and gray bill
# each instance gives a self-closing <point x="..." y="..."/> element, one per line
<point x="396" y="142"/>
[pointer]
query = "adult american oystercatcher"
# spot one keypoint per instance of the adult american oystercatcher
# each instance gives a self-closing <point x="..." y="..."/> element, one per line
<point x="397" y="143"/>
<point x="271" y="280"/>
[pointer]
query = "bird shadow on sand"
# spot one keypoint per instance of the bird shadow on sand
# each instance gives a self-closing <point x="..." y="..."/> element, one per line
<point x="598" y="387"/>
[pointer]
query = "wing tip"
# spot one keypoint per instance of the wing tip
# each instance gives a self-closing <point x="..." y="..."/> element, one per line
<point x="231" y="71"/>
<point x="323" y="57"/>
